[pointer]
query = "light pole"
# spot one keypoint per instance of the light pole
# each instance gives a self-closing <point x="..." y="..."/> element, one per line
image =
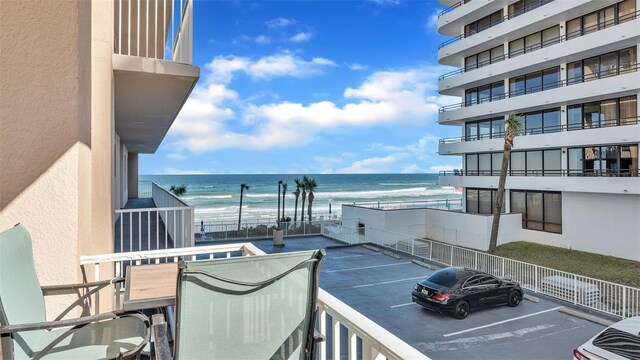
<point x="278" y="216"/>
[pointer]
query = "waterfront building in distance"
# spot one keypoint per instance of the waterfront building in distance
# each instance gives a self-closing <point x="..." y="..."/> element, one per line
<point x="569" y="70"/>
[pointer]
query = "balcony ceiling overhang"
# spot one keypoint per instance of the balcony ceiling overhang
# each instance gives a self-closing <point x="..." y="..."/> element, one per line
<point x="149" y="94"/>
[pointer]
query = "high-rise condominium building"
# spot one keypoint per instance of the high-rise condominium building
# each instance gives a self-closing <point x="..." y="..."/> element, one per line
<point x="569" y="69"/>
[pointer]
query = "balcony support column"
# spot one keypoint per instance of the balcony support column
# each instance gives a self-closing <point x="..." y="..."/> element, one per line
<point x="132" y="175"/>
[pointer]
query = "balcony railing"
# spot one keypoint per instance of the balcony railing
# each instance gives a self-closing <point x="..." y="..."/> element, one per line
<point x="551" y="172"/>
<point x="572" y="35"/>
<point x="546" y="130"/>
<point x="452" y="7"/>
<point x="442" y="204"/>
<point x="613" y="71"/>
<point x="221" y="231"/>
<point x="160" y="29"/>
<point x="168" y="225"/>
<point x="376" y="342"/>
<point x="493" y="23"/>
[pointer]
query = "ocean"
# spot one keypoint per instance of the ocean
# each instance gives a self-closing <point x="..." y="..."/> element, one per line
<point x="217" y="197"/>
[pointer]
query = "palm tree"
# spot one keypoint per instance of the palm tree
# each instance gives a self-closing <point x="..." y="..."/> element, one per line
<point x="303" y="187"/>
<point x="311" y="186"/>
<point x="243" y="187"/>
<point x="178" y="190"/>
<point x="512" y="128"/>
<point x="297" y="194"/>
<point x="284" y="192"/>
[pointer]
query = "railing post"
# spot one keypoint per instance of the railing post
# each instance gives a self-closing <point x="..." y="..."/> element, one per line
<point x="535" y="283"/>
<point x="476" y="265"/>
<point x="430" y="249"/>
<point x="451" y="262"/>
<point x="624" y="301"/>
<point x="575" y="289"/>
<point x="502" y="267"/>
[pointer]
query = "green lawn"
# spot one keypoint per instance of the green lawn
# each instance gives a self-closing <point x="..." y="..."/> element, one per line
<point x="593" y="265"/>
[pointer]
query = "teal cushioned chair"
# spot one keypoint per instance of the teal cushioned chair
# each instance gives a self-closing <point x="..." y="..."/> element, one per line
<point x="251" y="307"/>
<point x="24" y="331"/>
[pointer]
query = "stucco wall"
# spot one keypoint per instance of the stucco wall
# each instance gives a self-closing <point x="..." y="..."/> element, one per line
<point x="55" y="159"/>
<point x="600" y="223"/>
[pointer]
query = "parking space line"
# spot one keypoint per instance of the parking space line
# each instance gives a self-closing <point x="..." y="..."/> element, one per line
<point x="388" y="282"/>
<point x="400" y="305"/>
<point x="503" y="321"/>
<point x="368" y="267"/>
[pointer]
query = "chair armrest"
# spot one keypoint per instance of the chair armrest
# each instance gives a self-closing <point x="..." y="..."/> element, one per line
<point x="8" y="329"/>
<point x="161" y="348"/>
<point x="55" y="288"/>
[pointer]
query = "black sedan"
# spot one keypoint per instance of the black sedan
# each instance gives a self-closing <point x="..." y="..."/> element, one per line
<point x="459" y="290"/>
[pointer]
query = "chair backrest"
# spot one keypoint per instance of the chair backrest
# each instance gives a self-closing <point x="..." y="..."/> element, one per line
<point x="251" y="307"/>
<point x="20" y="293"/>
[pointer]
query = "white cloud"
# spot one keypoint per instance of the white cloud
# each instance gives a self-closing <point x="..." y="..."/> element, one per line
<point x="432" y="21"/>
<point x="222" y="68"/>
<point x="260" y="39"/>
<point x="356" y="67"/>
<point x="373" y="164"/>
<point x="386" y="2"/>
<point x="385" y="97"/>
<point x="438" y="168"/>
<point x="280" y="22"/>
<point x="176" y="156"/>
<point x="301" y="37"/>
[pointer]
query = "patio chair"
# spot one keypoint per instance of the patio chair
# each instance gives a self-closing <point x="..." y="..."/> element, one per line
<point x="251" y="307"/>
<point x="24" y="331"/>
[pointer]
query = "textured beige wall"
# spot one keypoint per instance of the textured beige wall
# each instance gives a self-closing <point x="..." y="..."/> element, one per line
<point x="44" y="131"/>
<point x="56" y="123"/>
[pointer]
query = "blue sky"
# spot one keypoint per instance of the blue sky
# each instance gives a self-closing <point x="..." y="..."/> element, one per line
<point x="310" y="87"/>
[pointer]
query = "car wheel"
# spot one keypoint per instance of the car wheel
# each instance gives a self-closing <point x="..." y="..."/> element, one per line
<point x="462" y="310"/>
<point x="514" y="298"/>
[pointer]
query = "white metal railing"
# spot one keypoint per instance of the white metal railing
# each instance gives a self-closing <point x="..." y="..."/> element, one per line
<point x="160" y="29"/>
<point x="377" y="343"/>
<point x="176" y="222"/>
<point x="615" y="299"/>
<point x="342" y="233"/>
<point x="258" y="229"/>
<point x="144" y="189"/>
<point x="442" y="204"/>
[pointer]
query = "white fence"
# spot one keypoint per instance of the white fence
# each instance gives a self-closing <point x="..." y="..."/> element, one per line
<point x="441" y="204"/>
<point x="608" y="297"/>
<point x="377" y="343"/>
<point x="255" y="229"/>
<point x="178" y="221"/>
<point x="160" y="29"/>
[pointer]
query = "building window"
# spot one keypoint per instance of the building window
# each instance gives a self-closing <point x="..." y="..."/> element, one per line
<point x="486" y="93"/>
<point x="540" y="122"/>
<point x="601" y="19"/>
<point x="486" y="164"/>
<point x="536" y="163"/>
<point x="484" y="129"/>
<point x="541" y="210"/>
<point x="481" y="201"/>
<point x="535" y="82"/>
<point x="610" y="160"/>
<point x="484" y="58"/>
<point x="610" y="112"/>
<point x="483" y="23"/>
<point x="598" y="67"/>
<point x="522" y="6"/>
<point x="534" y="41"/>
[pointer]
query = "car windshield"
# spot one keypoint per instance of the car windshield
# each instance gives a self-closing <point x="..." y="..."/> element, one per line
<point x="619" y="342"/>
<point x="445" y="277"/>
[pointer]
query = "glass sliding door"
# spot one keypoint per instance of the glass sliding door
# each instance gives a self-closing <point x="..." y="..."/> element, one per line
<point x="534" y="163"/>
<point x="590" y="68"/>
<point x="471" y="165"/>
<point x="519" y="204"/>
<point x="471" y="131"/>
<point x="552" y="163"/>
<point x="574" y="117"/>
<point x="608" y="65"/>
<point x="534" y="211"/>
<point x="553" y="212"/>
<point x="609" y="113"/>
<point x="628" y="110"/>
<point x="574" y="73"/>
<point x="472" y="200"/>
<point x="551" y="121"/>
<point x="575" y="160"/>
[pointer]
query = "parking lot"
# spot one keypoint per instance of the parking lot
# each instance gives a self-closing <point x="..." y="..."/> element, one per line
<point x="379" y="286"/>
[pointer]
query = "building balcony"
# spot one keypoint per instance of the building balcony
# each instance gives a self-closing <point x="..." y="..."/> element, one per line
<point x="582" y="89"/>
<point x="333" y="315"/>
<point x="616" y="35"/>
<point x="455" y="17"/>
<point x="453" y="51"/>
<point x="152" y="68"/>
<point x="571" y="180"/>
<point x="615" y="131"/>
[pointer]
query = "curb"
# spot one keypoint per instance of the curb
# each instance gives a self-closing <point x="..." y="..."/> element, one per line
<point x="586" y="316"/>
<point x="423" y="264"/>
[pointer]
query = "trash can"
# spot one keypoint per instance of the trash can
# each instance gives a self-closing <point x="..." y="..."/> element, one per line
<point x="278" y="235"/>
